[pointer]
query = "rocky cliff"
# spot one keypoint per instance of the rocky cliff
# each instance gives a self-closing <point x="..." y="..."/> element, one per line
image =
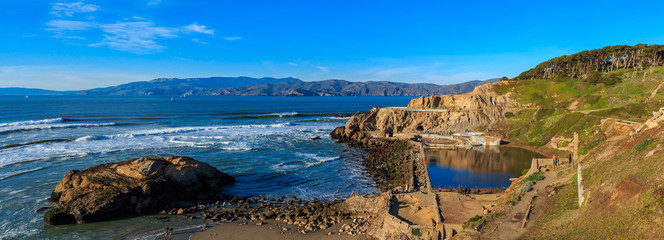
<point x="441" y="114"/>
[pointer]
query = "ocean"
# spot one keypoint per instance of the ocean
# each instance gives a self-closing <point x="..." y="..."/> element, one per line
<point x="266" y="143"/>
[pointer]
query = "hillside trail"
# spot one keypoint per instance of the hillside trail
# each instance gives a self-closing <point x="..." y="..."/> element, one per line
<point x="588" y="112"/>
<point x="511" y="225"/>
<point x="654" y="92"/>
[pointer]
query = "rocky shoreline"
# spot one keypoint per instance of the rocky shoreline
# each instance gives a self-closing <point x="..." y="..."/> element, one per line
<point x="392" y="164"/>
<point x="294" y="214"/>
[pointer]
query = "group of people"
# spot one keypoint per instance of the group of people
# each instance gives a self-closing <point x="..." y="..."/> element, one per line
<point x="464" y="190"/>
<point x="168" y="232"/>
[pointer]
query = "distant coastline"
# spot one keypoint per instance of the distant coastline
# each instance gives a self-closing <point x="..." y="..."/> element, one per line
<point x="246" y="86"/>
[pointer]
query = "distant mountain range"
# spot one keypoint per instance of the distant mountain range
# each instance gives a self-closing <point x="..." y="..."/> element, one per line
<point x="247" y="86"/>
<point x="32" y="91"/>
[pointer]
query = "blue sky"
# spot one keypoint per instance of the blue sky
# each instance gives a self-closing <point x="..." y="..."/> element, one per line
<point x="68" y="45"/>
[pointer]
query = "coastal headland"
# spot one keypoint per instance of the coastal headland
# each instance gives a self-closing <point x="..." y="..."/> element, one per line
<point x="599" y="127"/>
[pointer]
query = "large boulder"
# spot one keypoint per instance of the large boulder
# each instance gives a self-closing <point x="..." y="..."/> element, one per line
<point x="141" y="185"/>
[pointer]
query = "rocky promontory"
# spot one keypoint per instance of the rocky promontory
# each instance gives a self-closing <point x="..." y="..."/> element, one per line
<point x="440" y="114"/>
<point x="137" y="186"/>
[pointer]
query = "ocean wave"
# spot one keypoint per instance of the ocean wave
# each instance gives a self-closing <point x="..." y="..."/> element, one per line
<point x="235" y="148"/>
<point x="18" y="173"/>
<point x="91" y="138"/>
<point x="267" y="115"/>
<point x="288" y="166"/>
<point x="281" y="115"/>
<point x="45" y="126"/>
<point x="316" y="157"/>
<point x="340" y="118"/>
<point x="308" y="160"/>
<point x="224" y="138"/>
<point x="33" y="122"/>
<point x="166" y="131"/>
<point x="13" y="145"/>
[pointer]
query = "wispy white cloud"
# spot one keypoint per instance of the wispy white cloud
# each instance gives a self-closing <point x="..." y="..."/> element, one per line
<point x="135" y="35"/>
<point x="68" y="9"/>
<point x="154" y="2"/>
<point x="196" y="40"/>
<point x="232" y="38"/>
<point x="68" y="25"/>
<point x="324" y="69"/>
<point x="195" y="28"/>
<point x="307" y="64"/>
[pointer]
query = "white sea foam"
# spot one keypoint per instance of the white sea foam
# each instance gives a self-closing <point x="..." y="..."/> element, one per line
<point x="281" y="114"/>
<point x="316" y="157"/>
<point x="52" y="126"/>
<point x="235" y="149"/>
<point x="307" y="160"/>
<point x="32" y="122"/>
<point x="339" y="118"/>
<point x="90" y="138"/>
<point x="235" y="138"/>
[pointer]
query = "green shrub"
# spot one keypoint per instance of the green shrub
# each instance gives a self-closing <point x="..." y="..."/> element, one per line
<point x="475" y="218"/>
<point x="416" y="232"/>
<point x="564" y="144"/>
<point x="534" y="177"/>
<point x="642" y="146"/>
<point x="524" y="171"/>
<point x="527" y="185"/>
<point x="541" y="113"/>
<point x="596" y="77"/>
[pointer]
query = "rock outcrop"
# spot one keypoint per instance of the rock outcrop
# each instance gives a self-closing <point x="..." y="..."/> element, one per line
<point x="136" y="186"/>
<point x="464" y="112"/>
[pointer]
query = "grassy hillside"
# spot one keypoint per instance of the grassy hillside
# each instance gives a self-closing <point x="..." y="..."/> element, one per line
<point x="622" y="169"/>
<point x="559" y="108"/>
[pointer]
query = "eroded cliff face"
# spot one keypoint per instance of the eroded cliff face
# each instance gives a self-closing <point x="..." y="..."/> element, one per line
<point x="465" y="112"/>
<point x="482" y="97"/>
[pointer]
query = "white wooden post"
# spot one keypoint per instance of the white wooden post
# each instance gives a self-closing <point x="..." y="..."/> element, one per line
<point x="580" y="188"/>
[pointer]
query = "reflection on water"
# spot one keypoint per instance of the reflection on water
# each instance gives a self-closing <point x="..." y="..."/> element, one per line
<point x="492" y="167"/>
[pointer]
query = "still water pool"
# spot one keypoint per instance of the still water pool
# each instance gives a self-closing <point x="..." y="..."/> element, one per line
<point x="483" y="168"/>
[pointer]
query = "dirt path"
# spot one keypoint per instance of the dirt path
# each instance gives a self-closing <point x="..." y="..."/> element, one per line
<point x="654" y="92"/>
<point x="590" y="111"/>
<point x="511" y="225"/>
